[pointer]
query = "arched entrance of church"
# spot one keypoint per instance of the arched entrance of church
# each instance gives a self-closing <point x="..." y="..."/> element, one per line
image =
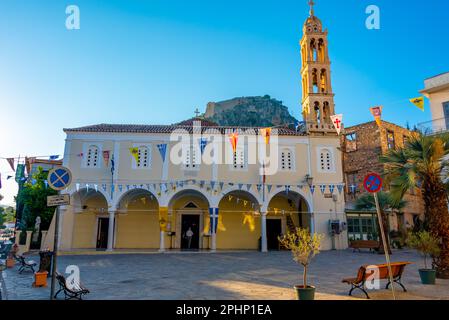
<point x="189" y="221"/>
<point x="286" y="211"/>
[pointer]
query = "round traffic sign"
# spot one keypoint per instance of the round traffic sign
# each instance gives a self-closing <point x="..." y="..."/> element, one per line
<point x="372" y="183"/>
<point x="59" y="178"/>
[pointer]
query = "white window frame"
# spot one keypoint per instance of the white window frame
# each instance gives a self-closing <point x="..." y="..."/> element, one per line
<point x="292" y="159"/>
<point x="331" y="151"/>
<point x="134" y="162"/>
<point x="86" y="147"/>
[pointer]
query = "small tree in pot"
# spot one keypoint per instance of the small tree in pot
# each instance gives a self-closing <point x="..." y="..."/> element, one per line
<point x="304" y="246"/>
<point x="425" y="243"/>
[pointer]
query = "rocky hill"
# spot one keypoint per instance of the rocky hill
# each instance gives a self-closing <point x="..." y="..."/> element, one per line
<point x="249" y="111"/>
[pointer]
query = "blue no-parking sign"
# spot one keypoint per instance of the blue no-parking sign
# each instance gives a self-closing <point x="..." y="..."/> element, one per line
<point x="373" y="183"/>
<point x="59" y="178"/>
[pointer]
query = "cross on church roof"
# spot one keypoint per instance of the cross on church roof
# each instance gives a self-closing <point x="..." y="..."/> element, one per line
<point x="197" y="112"/>
<point x="311" y="4"/>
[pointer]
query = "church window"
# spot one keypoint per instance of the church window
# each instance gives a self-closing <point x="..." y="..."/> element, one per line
<point x="191" y="161"/>
<point x="239" y="159"/>
<point x="286" y="160"/>
<point x="92" y="156"/>
<point x="143" y="157"/>
<point x="326" y="160"/>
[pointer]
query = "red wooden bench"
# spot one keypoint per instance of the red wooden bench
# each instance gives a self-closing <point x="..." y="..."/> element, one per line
<point x="397" y="269"/>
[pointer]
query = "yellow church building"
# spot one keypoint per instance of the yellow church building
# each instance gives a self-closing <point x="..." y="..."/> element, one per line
<point x="199" y="186"/>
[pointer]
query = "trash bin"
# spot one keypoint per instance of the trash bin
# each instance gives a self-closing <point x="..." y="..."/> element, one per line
<point x="45" y="261"/>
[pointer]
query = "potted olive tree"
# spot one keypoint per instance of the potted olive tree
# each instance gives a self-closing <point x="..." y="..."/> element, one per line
<point x="425" y="243"/>
<point x="304" y="246"/>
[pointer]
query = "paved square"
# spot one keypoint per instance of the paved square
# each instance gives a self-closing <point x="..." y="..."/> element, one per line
<point x="234" y="275"/>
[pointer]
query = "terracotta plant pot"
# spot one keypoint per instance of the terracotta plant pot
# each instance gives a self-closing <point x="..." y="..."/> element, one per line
<point x="305" y="294"/>
<point x="40" y="279"/>
<point x="10" y="263"/>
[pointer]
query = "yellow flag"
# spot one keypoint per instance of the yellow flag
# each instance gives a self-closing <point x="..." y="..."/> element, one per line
<point x="163" y="218"/>
<point x="419" y="102"/>
<point x="135" y="153"/>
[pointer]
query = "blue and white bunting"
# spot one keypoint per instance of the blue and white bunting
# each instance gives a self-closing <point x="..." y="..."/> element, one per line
<point x="162" y="150"/>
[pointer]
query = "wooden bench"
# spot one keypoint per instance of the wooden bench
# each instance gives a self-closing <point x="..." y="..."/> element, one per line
<point x="25" y="264"/>
<point x="364" y="244"/>
<point x="365" y="273"/>
<point x="77" y="291"/>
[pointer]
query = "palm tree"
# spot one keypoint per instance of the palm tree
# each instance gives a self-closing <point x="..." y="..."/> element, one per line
<point x="367" y="203"/>
<point x="420" y="165"/>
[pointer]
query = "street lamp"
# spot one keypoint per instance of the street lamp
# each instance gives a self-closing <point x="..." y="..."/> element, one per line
<point x="309" y="180"/>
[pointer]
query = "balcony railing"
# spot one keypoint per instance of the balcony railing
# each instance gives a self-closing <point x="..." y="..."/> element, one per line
<point x="436" y="126"/>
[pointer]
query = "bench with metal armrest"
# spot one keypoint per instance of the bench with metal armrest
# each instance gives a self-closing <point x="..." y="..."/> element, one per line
<point x="74" y="291"/>
<point x="366" y="273"/>
<point x="24" y="264"/>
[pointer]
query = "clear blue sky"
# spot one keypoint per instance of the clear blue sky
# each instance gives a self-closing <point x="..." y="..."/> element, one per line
<point x="155" y="61"/>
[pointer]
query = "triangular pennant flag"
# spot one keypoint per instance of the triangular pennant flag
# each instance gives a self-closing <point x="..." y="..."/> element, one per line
<point x="221" y="185"/>
<point x="55" y="157"/>
<point x="248" y="186"/>
<point x="287" y="189"/>
<point x="332" y="188"/>
<point x="418" y="102"/>
<point x="120" y="187"/>
<point x="269" y="187"/>
<point x="259" y="188"/>
<point x="337" y="120"/>
<point x="340" y="188"/>
<point x="312" y="189"/>
<point x="203" y="144"/>
<point x="11" y="163"/>
<point x="266" y="134"/>
<point x="127" y="187"/>
<point x="104" y="187"/>
<point x="135" y="153"/>
<point x="212" y="184"/>
<point x="162" y="150"/>
<point x="234" y="138"/>
<point x="323" y="188"/>
<point x="240" y="186"/>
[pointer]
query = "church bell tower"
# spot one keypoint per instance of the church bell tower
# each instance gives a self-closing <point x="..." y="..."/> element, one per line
<point x="317" y="96"/>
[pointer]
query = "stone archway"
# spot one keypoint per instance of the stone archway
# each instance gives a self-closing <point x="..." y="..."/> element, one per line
<point x="188" y="208"/>
<point x="239" y="221"/>
<point x="137" y="220"/>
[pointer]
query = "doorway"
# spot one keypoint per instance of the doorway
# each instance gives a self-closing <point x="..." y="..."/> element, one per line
<point x="102" y="233"/>
<point x="190" y="232"/>
<point x="274" y="230"/>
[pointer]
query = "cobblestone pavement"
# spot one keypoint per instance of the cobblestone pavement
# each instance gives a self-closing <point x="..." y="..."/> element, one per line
<point x="234" y="275"/>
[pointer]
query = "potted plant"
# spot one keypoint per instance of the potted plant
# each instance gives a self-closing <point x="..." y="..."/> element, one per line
<point x="304" y="246"/>
<point x="425" y="243"/>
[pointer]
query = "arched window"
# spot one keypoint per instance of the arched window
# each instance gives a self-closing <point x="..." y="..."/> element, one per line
<point x="92" y="160"/>
<point x="143" y="157"/>
<point x="326" y="161"/>
<point x="286" y="160"/>
<point x="323" y="81"/>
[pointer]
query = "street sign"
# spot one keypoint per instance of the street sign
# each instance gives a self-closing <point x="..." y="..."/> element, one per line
<point x="59" y="178"/>
<point x="373" y="183"/>
<point x="58" y="200"/>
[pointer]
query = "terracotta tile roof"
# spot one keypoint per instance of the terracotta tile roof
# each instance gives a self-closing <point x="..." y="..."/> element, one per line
<point x="167" y="129"/>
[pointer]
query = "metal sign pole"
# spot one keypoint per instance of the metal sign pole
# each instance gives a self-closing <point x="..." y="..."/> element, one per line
<point x="384" y="240"/>
<point x="55" y="255"/>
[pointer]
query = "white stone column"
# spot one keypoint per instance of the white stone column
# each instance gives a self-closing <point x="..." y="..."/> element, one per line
<point x="263" y="224"/>
<point x="111" y="231"/>
<point x="162" y="242"/>
<point x="213" y="214"/>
